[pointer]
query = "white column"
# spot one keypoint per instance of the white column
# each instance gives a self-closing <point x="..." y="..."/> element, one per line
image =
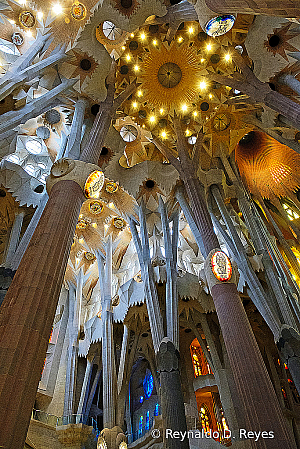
<point x="82" y="400"/>
<point x="123" y="358"/>
<point x="29" y="233"/>
<point x="74" y="141"/>
<point x="14" y="238"/>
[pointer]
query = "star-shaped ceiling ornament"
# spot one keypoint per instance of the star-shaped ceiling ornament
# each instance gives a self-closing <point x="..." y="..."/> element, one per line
<point x="277" y="43"/>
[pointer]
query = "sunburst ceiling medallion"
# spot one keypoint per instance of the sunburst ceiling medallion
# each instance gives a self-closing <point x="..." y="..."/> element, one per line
<point x="173" y="77"/>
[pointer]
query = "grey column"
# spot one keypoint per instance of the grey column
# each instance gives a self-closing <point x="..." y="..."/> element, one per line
<point x="74" y="141"/>
<point x="14" y="238"/>
<point x="29" y="233"/>
<point x="173" y="410"/>
<point x="290" y="81"/>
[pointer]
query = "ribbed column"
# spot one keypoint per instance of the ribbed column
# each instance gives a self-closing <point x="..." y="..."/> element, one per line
<point x="173" y="411"/>
<point x="14" y="238"/>
<point x="260" y="403"/>
<point x="27" y="313"/>
<point x="28" y="233"/>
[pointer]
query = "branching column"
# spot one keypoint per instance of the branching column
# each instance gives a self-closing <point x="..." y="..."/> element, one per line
<point x="261" y="406"/>
<point x="28" y="310"/>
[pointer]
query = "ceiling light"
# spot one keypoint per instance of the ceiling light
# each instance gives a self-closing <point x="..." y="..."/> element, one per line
<point x="134" y="104"/>
<point x="143" y="36"/>
<point x="227" y="57"/>
<point x="191" y="30"/>
<point x="163" y="134"/>
<point x="154" y="42"/>
<point x="208" y="47"/>
<point x="136" y="68"/>
<point x="139" y="93"/>
<point x="161" y="111"/>
<point x="57" y="8"/>
<point x="184" y="107"/>
<point x="152" y="118"/>
<point x="180" y="39"/>
<point x="128" y="57"/>
<point x="203" y="85"/>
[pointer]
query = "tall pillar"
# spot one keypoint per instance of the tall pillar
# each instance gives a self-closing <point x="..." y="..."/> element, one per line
<point x="74" y="141"/>
<point x="108" y="362"/>
<point x="29" y="233"/>
<point x="71" y="357"/>
<point x="83" y="395"/>
<point x="14" y="238"/>
<point x="28" y="310"/>
<point x="172" y="405"/>
<point x="252" y="381"/>
<point x="123" y="357"/>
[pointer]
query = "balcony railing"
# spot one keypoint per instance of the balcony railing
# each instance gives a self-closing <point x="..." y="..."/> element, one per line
<point x="54" y="421"/>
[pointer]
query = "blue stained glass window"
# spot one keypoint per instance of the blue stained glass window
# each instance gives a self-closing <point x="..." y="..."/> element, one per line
<point x="141" y="399"/>
<point x="148" y="385"/>
<point x="156" y="410"/>
<point x="141" y="425"/>
<point x="147" y="420"/>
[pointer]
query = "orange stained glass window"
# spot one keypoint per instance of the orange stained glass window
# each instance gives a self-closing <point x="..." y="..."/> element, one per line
<point x="200" y="364"/>
<point x="205" y="418"/>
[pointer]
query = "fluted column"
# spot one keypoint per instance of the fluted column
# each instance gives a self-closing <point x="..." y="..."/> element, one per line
<point x="260" y="404"/>
<point x="62" y="147"/>
<point x="74" y="141"/>
<point x="28" y="233"/>
<point x="14" y="238"/>
<point x="28" y="310"/>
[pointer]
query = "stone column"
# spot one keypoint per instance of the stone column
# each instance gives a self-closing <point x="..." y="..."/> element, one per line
<point x="172" y="405"/>
<point x="29" y="233"/>
<point x="123" y="358"/>
<point x="290" y="81"/>
<point x="14" y="238"/>
<point x="108" y="362"/>
<point x="27" y="313"/>
<point x="72" y="355"/>
<point x="260" y="403"/>
<point x="74" y="141"/>
<point x="81" y="406"/>
<point x="62" y="147"/>
<point x="92" y="392"/>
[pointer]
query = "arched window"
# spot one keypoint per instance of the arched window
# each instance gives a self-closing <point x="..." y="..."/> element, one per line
<point x="156" y="410"/>
<point x="147" y="427"/>
<point x="13" y="158"/>
<point x="148" y="384"/>
<point x="204" y="416"/>
<point x="141" y="425"/>
<point x="200" y="364"/>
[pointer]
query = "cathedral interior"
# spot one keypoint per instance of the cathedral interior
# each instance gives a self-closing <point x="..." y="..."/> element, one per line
<point x="149" y="224"/>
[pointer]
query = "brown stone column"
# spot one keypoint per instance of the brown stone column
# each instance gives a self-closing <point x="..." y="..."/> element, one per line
<point x="27" y="313"/>
<point x="261" y="406"/>
<point x="284" y="8"/>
